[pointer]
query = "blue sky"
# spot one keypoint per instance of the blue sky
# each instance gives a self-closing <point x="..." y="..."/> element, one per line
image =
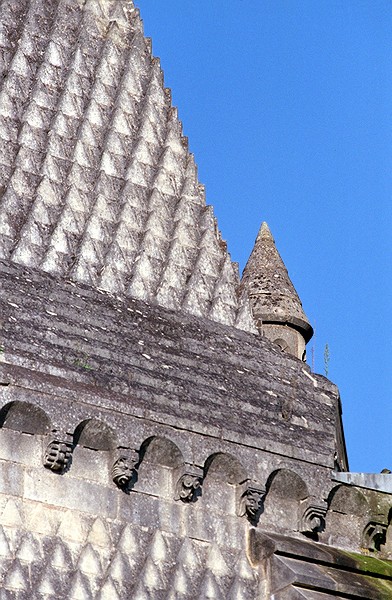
<point x="288" y="108"/>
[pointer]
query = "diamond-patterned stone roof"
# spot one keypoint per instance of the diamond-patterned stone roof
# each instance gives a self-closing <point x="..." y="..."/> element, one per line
<point x="97" y="181"/>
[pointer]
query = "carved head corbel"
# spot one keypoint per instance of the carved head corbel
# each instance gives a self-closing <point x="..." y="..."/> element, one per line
<point x="124" y="470"/>
<point x="250" y="500"/>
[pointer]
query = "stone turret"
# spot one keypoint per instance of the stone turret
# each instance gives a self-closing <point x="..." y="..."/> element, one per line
<point x="276" y="307"/>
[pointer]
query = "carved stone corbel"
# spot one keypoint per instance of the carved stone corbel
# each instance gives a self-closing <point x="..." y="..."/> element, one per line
<point x="124" y="470"/>
<point x="374" y="536"/>
<point x="250" y="500"/>
<point x="313" y="517"/>
<point x="188" y="487"/>
<point x="58" y="456"/>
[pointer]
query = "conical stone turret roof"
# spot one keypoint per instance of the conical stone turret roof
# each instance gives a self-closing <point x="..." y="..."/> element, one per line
<point x="97" y="184"/>
<point x="267" y="283"/>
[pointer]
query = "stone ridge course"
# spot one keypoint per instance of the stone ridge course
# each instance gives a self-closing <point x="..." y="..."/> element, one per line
<point x="213" y="376"/>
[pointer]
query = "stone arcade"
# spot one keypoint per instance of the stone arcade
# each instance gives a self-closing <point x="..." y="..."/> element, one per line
<point x="161" y="436"/>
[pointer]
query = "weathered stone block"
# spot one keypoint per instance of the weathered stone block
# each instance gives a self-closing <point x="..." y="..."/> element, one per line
<point x="11" y="478"/>
<point x="92" y="465"/>
<point x="21" y="447"/>
<point x="63" y="490"/>
<point x="141" y="509"/>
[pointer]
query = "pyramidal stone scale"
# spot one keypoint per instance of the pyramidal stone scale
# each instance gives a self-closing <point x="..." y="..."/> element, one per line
<point x="161" y="436"/>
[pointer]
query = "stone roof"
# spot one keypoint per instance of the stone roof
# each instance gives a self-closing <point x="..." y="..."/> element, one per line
<point x="97" y="182"/>
<point x="112" y="273"/>
<point x="303" y="569"/>
<point x="271" y="293"/>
